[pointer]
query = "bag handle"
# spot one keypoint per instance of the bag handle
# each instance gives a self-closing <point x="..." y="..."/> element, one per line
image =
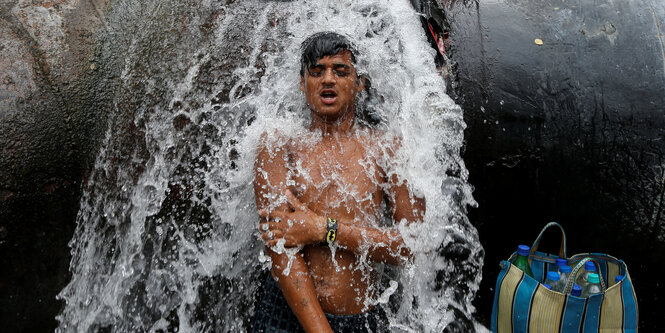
<point x="576" y="271"/>
<point x="562" y="249"/>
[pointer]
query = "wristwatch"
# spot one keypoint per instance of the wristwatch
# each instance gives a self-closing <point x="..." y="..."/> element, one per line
<point x="331" y="233"/>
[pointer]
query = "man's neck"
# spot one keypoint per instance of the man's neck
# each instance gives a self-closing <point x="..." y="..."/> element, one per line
<point x="342" y="125"/>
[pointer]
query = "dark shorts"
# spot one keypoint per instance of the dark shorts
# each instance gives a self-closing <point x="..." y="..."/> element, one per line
<point x="273" y="314"/>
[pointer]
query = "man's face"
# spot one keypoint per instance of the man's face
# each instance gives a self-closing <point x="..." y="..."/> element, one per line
<point x="331" y="85"/>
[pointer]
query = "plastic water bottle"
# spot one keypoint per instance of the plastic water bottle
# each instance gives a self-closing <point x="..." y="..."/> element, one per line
<point x="577" y="290"/>
<point x="564" y="274"/>
<point x="561" y="262"/>
<point x="547" y="286"/>
<point x="522" y="260"/>
<point x="589" y="268"/>
<point x="553" y="280"/>
<point x="593" y="286"/>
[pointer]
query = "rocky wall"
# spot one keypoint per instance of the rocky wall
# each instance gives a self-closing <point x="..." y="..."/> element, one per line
<point x="53" y="104"/>
<point x="564" y="106"/>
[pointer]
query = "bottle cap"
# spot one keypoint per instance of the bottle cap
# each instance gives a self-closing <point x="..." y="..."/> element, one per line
<point x="553" y="276"/>
<point x="590" y="266"/>
<point x="593" y="278"/>
<point x="577" y="290"/>
<point x="561" y="262"/>
<point x="565" y="269"/>
<point x="547" y="286"/>
<point x="523" y="250"/>
<point x="618" y="278"/>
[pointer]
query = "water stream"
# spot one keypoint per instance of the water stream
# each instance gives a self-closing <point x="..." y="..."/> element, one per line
<point x="166" y="232"/>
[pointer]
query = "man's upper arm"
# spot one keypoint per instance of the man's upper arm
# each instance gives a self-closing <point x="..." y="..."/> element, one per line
<point x="404" y="204"/>
<point x="270" y="174"/>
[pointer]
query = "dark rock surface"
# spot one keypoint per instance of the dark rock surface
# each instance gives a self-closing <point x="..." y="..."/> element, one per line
<point x="570" y="130"/>
<point x="50" y="120"/>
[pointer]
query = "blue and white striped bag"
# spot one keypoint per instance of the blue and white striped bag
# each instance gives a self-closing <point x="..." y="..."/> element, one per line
<point x="523" y="304"/>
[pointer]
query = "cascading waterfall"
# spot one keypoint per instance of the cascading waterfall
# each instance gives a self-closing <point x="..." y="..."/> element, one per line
<point x="166" y="236"/>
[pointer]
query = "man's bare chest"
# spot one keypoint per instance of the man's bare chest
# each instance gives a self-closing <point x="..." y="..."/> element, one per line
<point x="336" y="175"/>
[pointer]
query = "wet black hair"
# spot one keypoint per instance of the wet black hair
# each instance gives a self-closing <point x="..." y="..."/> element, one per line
<point x="329" y="43"/>
<point x="323" y="44"/>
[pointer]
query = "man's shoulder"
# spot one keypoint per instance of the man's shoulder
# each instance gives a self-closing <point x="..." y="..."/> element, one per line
<point x="274" y="139"/>
<point x="383" y="140"/>
<point x="272" y="146"/>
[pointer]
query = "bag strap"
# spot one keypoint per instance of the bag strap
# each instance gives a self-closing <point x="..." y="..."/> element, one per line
<point x="577" y="270"/>
<point x="562" y="249"/>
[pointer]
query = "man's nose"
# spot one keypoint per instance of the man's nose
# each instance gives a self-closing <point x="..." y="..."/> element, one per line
<point x="328" y="76"/>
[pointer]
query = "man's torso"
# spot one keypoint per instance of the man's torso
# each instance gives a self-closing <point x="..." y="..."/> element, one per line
<point x="339" y="178"/>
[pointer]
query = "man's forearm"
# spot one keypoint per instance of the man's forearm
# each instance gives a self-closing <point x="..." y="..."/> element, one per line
<point x="385" y="245"/>
<point x="299" y="291"/>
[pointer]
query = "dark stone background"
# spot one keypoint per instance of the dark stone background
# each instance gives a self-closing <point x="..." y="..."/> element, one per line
<point x="569" y="131"/>
<point x="54" y="99"/>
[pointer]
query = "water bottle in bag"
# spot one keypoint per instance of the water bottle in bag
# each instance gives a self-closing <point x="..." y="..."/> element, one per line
<point x="554" y="281"/>
<point x="564" y="274"/>
<point x="589" y="268"/>
<point x="522" y="260"/>
<point x="577" y="290"/>
<point x="593" y="286"/>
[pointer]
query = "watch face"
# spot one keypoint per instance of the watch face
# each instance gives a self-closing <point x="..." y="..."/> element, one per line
<point x="330" y="237"/>
<point x="332" y="230"/>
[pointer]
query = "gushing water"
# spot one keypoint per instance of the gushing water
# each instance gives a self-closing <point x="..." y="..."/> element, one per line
<point x="166" y="235"/>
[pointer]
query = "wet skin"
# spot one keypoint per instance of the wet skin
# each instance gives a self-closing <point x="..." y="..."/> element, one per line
<point x="335" y="172"/>
<point x="347" y="191"/>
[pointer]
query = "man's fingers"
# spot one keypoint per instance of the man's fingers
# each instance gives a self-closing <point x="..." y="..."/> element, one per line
<point x="271" y="226"/>
<point x="277" y="214"/>
<point x="272" y="235"/>
<point x="272" y="214"/>
<point x="263" y="213"/>
<point x="271" y="230"/>
<point x="273" y="242"/>
<point x="294" y="201"/>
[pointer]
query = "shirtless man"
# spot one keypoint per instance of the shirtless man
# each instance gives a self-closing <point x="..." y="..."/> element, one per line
<point x="335" y="173"/>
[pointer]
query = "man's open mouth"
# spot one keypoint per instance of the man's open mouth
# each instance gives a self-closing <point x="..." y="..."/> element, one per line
<point x="328" y="96"/>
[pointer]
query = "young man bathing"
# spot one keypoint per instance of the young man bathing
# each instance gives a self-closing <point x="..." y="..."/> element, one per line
<point x="337" y="185"/>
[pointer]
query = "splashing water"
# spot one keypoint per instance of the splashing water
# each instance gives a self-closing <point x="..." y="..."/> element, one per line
<point x="166" y="232"/>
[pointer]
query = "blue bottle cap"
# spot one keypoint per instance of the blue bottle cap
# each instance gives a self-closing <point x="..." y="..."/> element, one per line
<point x="577" y="290"/>
<point x="593" y="278"/>
<point x="618" y="278"/>
<point x="553" y="276"/>
<point x="561" y="262"/>
<point x="523" y="250"/>
<point x="565" y="269"/>
<point x="547" y="286"/>
<point x="590" y="266"/>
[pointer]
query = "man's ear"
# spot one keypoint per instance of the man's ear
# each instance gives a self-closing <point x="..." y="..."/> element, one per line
<point x="361" y="82"/>
<point x="302" y="83"/>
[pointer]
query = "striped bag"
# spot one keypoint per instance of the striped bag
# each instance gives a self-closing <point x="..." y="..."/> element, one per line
<point x="523" y="304"/>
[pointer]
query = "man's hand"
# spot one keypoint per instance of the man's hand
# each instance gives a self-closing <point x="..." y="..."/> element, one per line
<point x="299" y="227"/>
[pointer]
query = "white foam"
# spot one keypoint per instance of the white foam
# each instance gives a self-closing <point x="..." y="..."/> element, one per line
<point x="144" y="254"/>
